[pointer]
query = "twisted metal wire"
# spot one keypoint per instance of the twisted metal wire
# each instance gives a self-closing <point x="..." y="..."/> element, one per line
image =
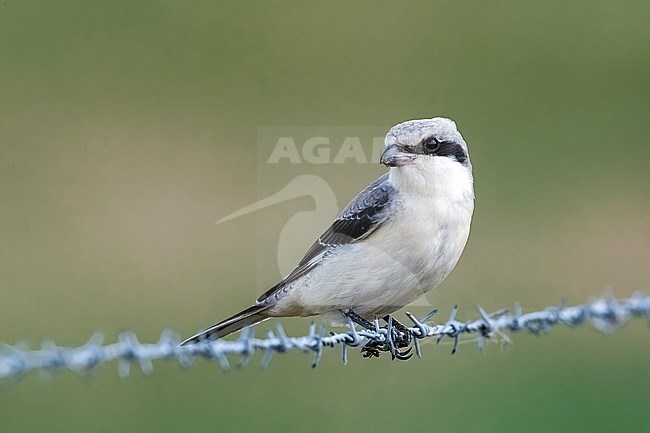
<point x="605" y="314"/>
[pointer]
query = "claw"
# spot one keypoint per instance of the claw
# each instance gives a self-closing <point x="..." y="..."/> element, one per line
<point x="370" y="352"/>
<point x="404" y="356"/>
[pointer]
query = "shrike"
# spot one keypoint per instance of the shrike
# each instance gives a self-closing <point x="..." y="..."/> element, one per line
<point x="398" y="239"/>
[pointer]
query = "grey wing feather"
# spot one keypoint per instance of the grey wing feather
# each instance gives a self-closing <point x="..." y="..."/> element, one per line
<point x="359" y="219"/>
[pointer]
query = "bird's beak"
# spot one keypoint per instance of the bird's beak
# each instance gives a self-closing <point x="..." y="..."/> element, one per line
<point x="395" y="156"/>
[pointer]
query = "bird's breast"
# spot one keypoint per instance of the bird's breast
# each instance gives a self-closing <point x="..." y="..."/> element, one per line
<point x="433" y="232"/>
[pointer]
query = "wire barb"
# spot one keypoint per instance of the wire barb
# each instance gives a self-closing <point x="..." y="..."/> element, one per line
<point x="605" y="314"/>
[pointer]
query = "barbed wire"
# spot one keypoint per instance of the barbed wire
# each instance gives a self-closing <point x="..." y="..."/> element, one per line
<point x="605" y="314"/>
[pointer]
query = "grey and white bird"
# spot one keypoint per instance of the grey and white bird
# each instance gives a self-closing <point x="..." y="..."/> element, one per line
<point x="398" y="239"/>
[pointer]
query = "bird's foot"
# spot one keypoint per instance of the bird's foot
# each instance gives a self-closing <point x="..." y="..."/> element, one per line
<point x="399" y="337"/>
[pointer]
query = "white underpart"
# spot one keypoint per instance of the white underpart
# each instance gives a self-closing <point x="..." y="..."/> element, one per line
<point x="407" y="256"/>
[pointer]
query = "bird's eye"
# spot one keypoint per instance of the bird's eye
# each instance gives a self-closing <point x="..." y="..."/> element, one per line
<point x="431" y="145"/>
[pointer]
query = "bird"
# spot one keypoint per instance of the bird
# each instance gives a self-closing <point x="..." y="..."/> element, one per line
<point x="399" y="238"/>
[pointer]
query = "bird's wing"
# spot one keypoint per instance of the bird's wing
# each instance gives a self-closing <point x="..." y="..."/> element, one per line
<point x="360" y="218"/>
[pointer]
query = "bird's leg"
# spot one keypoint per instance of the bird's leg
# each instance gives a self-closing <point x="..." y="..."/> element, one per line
<point x="402" y="337"/>
<point x="372" y="348"/>
<point x="349" y="313"/>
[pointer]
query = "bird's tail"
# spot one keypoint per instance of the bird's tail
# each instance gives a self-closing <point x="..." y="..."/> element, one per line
<point x="249" y="316"/>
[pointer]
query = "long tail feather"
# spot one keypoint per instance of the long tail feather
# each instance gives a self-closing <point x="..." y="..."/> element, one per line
<point x="249" y="316"/>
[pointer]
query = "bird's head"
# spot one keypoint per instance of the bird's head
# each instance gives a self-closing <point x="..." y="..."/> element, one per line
<point x="422" y="141"/>
<point x="427" y="151"/>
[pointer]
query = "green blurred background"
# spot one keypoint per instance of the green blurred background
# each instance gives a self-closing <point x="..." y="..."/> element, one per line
<point x="128" y="127"/>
